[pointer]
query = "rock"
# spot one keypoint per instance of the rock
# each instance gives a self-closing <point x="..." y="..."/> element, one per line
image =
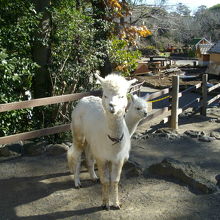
<point x="215" y="134"/>
<point x="6" y="152"/>
<point x="32" y="148"/>
<point x="56" y="149"/>
<point x="217" y="177"/>
<point x="16" y="147"/>
<point x="167" y="133"/>
<point x="184" y="172"/>
<point x="132" y="169"/>
<point x="206" y="138"/>
<point x="194" y="134"/>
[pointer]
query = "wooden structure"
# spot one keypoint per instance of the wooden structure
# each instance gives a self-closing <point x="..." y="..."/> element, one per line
<point x="203" y="55"/>
<point x="198" y="41"/>
<point x="214" y="63"/>
<point x="172" y="110"/>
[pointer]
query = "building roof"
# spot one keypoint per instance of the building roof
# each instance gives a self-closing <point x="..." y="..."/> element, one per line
<point x="215" y="48"/>
<point x="204" y="48"/>
<point x="197" y="41"/>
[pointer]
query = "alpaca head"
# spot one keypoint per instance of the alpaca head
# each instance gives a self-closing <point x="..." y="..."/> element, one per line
<point x="137" y="108"/>
<point x="115" y="89"/>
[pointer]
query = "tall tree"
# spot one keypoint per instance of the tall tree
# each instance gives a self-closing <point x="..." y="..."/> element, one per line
<point x="41" y="51"/>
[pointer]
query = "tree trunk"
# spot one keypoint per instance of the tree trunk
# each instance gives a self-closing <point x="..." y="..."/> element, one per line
<point x="100" y="15"/>
<point x="41" y="53"/>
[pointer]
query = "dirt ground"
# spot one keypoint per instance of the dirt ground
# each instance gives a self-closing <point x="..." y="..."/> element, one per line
<point x="42" y="188"/>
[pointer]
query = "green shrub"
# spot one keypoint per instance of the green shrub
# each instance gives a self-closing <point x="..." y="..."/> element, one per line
<point x="122" y="59"/>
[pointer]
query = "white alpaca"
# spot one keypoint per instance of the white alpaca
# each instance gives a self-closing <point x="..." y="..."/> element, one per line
<point x="137" y="110"/>
<point x="103" y="129"/>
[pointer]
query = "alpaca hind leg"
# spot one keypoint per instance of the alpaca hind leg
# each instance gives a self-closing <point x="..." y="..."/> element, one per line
<point x="115" y="178"/>
<point x="90" y="163"/>
<point x="103" y="168"/>
<point x="77" y="149"/>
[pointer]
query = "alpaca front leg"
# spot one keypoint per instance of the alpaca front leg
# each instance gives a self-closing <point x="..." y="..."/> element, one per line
<point x="103" y="169"/>
<point x="115" y="178"/>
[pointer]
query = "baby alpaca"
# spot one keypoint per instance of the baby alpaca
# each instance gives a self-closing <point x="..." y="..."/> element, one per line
<point x="103" y="129"/>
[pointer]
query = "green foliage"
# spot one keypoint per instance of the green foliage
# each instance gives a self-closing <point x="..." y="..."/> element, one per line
<point x="215" y="7"/>
<point x="122" y="59"/>
<point x="18" y="23"/>
<point x="75" y="53"/>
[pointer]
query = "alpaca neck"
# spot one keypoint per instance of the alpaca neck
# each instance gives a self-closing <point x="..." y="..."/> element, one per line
<point x="131" y="122"/>
<point x="116" y="125"/>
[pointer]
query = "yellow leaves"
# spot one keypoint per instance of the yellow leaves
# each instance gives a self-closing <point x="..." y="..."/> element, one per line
<point x="114" y="4"/>
<point x="131" y="33"/>
<point x="143" y="31"/>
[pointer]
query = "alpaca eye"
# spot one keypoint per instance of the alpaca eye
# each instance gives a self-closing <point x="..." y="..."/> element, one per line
<point x="121" y="97"/>
<point x="138" y="109"/>
<point x="105" y="96"/>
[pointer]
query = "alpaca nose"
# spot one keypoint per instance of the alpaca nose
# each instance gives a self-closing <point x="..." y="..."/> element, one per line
<point x="145" y="114"/>
<point x="112" y="108"/>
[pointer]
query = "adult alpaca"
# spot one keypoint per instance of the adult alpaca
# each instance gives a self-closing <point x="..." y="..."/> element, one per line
<point x="103" y="128"/>
<point x="136" y="111"/>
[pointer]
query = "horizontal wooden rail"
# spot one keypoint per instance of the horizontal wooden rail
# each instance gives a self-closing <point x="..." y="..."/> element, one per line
<point x="213" y="87"/>
<point x="46" y="101"/>
<point x="191" y="88"/>
<point x="157" y="94"/>
<point x="155" y="115"/>
<point x="34" y="134"/>
<point x="214" y="99"/>
<point x="136" y="87"/>
<point x="189" y="104"/>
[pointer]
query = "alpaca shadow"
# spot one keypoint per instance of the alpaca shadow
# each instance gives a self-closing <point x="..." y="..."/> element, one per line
<point x="64" y="214"/>
<point x="23" y="190"/>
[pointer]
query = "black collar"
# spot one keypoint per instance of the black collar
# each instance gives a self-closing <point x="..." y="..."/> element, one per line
<point x="116" y="140"/>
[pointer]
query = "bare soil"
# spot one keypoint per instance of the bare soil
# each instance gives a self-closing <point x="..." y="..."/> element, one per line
<point x="42" y="188"/>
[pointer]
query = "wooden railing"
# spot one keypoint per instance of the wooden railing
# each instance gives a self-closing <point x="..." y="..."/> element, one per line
<point x="172" y="111"/>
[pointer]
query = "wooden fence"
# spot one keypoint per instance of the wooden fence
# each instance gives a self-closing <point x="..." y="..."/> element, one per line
<point x="172" y="111"/>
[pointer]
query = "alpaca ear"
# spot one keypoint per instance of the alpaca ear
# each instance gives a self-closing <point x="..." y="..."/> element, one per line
<point x="99" y="78"/>
<point x="132" y="81"/>
<point x="146" y="97"/>
<point x="133" y="97"/>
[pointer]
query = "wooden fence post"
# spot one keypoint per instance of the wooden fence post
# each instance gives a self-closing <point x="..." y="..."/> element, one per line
<point x="204" y="94"/>
<point x="174" y="103"/>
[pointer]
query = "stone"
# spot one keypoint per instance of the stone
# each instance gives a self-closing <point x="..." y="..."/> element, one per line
<point x="194" y="134"/>
<point x="132" y="169"/>
<point x="16" y="147"/>
<point x="34" y="148"/>
<point x="167" y="133"/>
<point x="217" y="177"/>
<point x="206" y="139"/>
<point x="215" y="134"/>
<point x="56" y="149"/>
<point x="6" y="152"/>
<point x="185" y="172"/>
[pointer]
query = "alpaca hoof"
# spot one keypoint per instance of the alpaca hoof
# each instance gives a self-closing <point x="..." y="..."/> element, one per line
<point x="116" y="207"/>
<point x="106" y="207"/>
<point x="96" y="180"/>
